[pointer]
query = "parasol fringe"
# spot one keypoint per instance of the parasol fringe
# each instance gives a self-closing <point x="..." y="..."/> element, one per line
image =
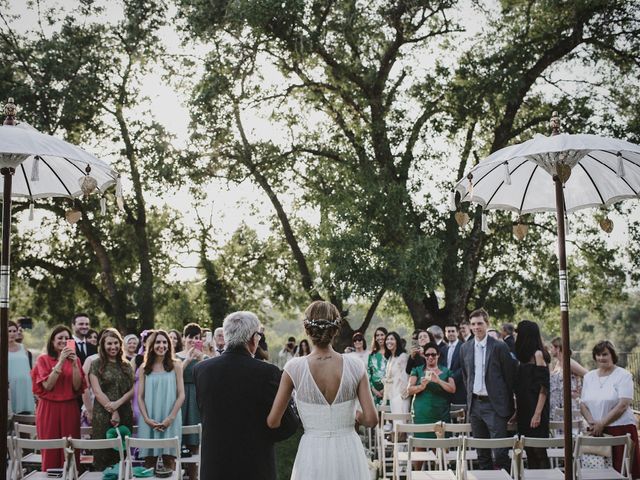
<point x="507" y="175"/>
<point x="103" y="205"/>
<point x="620" y="169"/>
<point x="484" y="225"/>
<point x="119" y="197"/>
<point x="452" y="201"/>
<point x="31" y="209"/>
<point x="35" y="169"/>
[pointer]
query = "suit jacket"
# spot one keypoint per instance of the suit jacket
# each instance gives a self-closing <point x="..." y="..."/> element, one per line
<point x="511" y="343"/>
<point x="443" y="348"/>
<point x="91" y="350"/>
<point x="500" y="374"/>
<point x="460" y="396"/>
<point x="235" y="392"/>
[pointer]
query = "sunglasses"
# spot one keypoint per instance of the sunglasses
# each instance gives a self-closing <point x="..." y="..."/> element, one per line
<point x="358" y="339"/>
<point x="430" y="354"/>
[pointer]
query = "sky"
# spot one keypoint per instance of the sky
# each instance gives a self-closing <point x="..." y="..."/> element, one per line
<point x="231" y="205"/>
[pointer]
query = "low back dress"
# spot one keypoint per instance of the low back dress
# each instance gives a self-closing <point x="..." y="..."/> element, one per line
<point x="330" y="447"/>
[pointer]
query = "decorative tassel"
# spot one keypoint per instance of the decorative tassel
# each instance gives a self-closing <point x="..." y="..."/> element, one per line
<point x="620" y="170"/>
<point x="103" y="205"/>
<point x="566" y="224"/>
<point x="35" y="169"/>
<point x="119" y="197"/>
<point x="452" y="201"/>
<point x="470" y="189"/>
<point x="484" y="225"/>
<point x="507" y="175"/>
<point x="31" y="208"/>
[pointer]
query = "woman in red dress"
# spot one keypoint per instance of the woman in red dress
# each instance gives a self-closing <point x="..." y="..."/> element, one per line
<point x="58" y="382"/>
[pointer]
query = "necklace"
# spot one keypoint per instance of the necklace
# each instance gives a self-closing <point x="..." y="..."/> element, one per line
<point x="606" y="379"/>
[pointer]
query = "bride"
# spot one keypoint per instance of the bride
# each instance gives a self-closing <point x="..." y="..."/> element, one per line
<point x="328" y="388"/>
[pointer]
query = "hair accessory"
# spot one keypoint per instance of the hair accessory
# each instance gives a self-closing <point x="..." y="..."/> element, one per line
<point x="321" y="323"/>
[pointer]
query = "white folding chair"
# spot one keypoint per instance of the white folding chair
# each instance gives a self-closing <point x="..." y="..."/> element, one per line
<point x="440" y="445"/>
<point x="195" y="458"/>
<point x="386" y="445"/>
<point x="102" y="444"/>
<point x="163" y="443"/>
<point x="400" y="456"/>
<point x="24" y="419"/>
<point x="459" y="430"/>
<point x="602" y="473"/>
<point x="30" y="444"/>
<point x="489" y="443"/>
<point x="379" y="429"/>
<point x="538" y="474"/>
<point x="11" y="464"/>
<point x="556" y="454"/>
<point x="28" y="431"/>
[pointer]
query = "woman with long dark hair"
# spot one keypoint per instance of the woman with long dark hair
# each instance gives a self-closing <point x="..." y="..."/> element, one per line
<point x="111" y="378"/>
<point x="303" y="348"/>
<point x="532" y="390"/>
<point x="160" y="396"/>
<point x="58" y="382"/>
<point x="396" y="378"/>
<point x="377" y="364"/>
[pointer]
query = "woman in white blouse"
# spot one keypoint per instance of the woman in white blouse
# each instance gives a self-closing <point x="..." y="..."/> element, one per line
<point x="607" y="393"/>
<point x="396" y="378"/>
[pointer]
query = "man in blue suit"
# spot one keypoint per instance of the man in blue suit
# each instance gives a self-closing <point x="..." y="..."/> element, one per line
<point x="454" y="363"/>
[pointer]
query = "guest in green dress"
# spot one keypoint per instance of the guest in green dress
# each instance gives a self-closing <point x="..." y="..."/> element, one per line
<point x="432" y="386"/>
<point x="377" y="365"/>
<point x="190" y="356"/>
<point x="111" y="378"/>
<point x="160" y="397"/>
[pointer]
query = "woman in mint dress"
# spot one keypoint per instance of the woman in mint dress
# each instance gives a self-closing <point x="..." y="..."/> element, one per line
<point x="377" y="365"/>
<point x="431" y="386"/>
<point x="22" y="400"/>
<point x="160" y="397"/>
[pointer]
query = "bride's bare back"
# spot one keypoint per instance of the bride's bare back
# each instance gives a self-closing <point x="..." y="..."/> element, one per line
<point x="326" y="368"/>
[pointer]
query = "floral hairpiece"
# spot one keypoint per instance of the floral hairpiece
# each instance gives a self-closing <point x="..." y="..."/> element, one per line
<point x="321" y="323"/>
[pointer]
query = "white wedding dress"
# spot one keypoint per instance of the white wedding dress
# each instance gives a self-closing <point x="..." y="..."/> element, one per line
<point x="330" y="448"/>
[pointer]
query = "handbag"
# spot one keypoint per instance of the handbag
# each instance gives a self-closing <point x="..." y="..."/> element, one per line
<point x="602" y="451"/>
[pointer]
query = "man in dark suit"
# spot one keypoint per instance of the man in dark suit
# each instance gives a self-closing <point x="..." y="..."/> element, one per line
<point x="80" y="326"/>
<point x="507" y="335"/>
<point x="438" y="335"/>
<point x="454" y="363"/>
<point x="488" y="372"/>
<point x="235" y="392"/>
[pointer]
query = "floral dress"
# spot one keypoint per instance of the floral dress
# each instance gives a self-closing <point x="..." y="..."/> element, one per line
<point x="376" y="369"/>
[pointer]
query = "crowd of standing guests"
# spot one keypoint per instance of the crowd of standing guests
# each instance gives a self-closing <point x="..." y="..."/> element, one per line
<point x="508" y="376"/>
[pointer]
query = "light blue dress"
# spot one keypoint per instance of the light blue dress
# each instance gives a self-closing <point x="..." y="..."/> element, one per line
<point x="160" y="392"/>
<point x="20" y="382"/>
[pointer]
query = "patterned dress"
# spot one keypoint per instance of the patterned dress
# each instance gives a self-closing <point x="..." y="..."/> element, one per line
<point x="376" y="369"/>
<point x="115" y="380"/>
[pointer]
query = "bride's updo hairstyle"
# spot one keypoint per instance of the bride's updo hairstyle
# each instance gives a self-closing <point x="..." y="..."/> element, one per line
<point x="322" y="322"/>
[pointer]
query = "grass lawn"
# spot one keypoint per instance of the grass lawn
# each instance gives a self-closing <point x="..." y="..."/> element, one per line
<point x="286" y="454"/>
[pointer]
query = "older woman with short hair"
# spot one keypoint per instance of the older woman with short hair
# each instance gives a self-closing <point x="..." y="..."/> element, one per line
<point x="607" y="394"/>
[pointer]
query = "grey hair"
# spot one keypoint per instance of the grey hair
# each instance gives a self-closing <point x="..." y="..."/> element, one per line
<point x="436" y="331"/>
<point x="239" y="327"/>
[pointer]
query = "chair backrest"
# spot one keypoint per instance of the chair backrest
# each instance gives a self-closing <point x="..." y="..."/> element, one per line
<point x="151" y="443"/>
<point x="396" y="417"/>
<point x="587" y="441"/>
<point x="192" y="430"/>
<point x="458" y="406"/>
<point x="458" y="415"/>
<point x="100" y="444"/>
<point x="30" y="444"/>
<point x="508" y="442"/>
<point x="457" y="428"/>
<point x="440" y="445"/>
<point x="30" y="430"/>
<point x="558" y="425"/>
<point x="552" y="442"/>
<point x="22" y="418"/>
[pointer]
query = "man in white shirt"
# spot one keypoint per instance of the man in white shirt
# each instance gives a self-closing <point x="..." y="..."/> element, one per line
<point x="454" y="364"/>
<point x="218" y="341"/>
<point x="488" y="372"/>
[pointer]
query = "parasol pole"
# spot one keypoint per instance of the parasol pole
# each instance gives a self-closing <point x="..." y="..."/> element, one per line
<point x="7" y="173"/>
<point x="562" y="175"/>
